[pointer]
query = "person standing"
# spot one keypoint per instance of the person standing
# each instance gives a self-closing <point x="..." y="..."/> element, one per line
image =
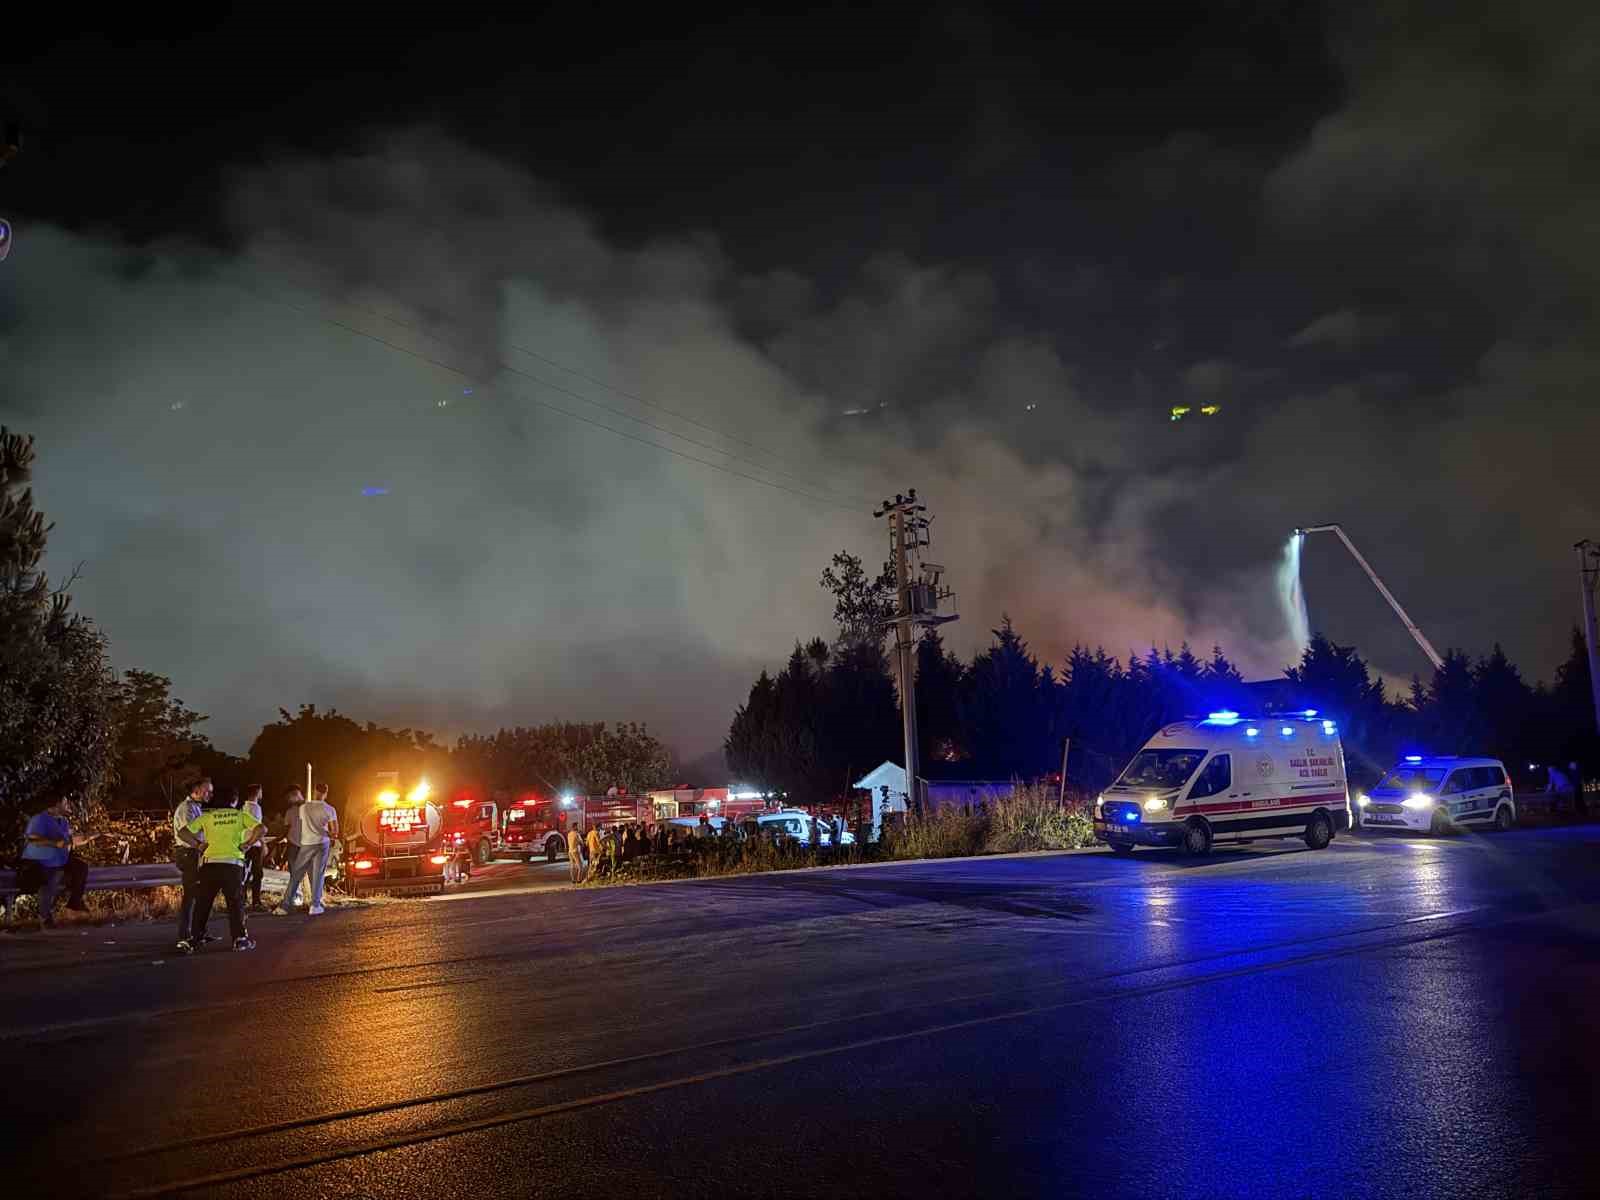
<point x="222" y="834"/>
<point x="312" y="827"/>
<point x="319" y="827"/>
<point x="186" y="855"/>
<point x="48" y="857"/>
<point x="255" y="855"/>
<point x="594" y="850"/>
<point x="574" y="854"/>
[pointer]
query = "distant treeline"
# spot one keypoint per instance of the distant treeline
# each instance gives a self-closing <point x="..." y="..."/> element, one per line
<point x="831" y="714"/>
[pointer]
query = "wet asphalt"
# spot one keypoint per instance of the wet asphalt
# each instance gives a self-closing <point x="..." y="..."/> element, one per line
<point x="1389" y="1017"/>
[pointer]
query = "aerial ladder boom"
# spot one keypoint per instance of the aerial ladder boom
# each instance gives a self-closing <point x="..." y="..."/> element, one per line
<point x="1427" y="646"/>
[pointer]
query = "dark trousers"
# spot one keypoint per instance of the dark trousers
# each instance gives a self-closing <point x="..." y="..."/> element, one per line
<point x="48" y="882"/>
<point x="188" y="860"/>
<point x="227" y="878"/>
<point x="252" y="872"/>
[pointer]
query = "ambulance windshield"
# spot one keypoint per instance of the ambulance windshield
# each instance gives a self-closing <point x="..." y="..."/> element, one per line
<point x="1161" y="769"/>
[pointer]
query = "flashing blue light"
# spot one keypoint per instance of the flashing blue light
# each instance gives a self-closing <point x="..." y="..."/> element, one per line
<point x="374" y="491"/>
<point x="1251" y="731"/>
<point x="1225" y="717"/>
<point x="1328" y="727"/>
<point x="1133" y="816"/>
<point x="1310" y="712"/>
<point x="1413" y="758"/>
<point x="1287" y="731"/>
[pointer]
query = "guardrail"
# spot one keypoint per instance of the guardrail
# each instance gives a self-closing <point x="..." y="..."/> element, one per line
<point x="131" y="878"/>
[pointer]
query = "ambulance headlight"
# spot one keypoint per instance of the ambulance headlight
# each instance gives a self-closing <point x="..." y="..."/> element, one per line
<point x="1361" y="800"/>
<point x="1099" y="805"/>
<point x="1154" y="804"/>
<point x="1418" y="800"/>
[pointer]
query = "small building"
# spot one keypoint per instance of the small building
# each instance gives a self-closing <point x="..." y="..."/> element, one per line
<point x="886" y="784"/>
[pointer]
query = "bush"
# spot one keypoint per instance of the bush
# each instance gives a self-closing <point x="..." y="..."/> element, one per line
<point x="944" y="833"/>
<point x="1033" y="818"/>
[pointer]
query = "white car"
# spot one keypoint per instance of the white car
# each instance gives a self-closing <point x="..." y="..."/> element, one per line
<point x="1439" y="794"/>
<point x="799" y="826"/>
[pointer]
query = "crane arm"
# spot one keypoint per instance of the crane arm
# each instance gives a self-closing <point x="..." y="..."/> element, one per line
<point x="1411" y="626"/>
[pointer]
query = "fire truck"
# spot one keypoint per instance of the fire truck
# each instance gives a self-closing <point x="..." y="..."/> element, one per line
<point x="535" y="824"/>
<point x="399" y="840"/>
<point x="474" y="824"/>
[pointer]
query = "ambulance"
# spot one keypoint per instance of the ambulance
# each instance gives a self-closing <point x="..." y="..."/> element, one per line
<point x="1229" y="779"/>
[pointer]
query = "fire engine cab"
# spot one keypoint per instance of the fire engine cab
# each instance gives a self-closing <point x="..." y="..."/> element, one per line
<point x="399" y="842"/>
<point x="535" y="824"/>
<point x="473" y="824"/>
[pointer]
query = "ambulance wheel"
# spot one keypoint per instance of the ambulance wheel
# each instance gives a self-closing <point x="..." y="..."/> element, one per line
<point x="483" y="853"/>
<point x="1123" y="848"/>
<point x="1320" y="832"/>
<point x="1503" y="820"/>
<point x="1197" y="839"/>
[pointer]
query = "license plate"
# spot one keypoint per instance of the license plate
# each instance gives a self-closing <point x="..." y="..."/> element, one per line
<point x="1117" y="828"/>
<point x="1379" y="819"/>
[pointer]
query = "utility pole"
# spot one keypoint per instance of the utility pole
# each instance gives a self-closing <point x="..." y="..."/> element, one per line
<point x="1588" y="577"/>
<point x="917" y="603"/>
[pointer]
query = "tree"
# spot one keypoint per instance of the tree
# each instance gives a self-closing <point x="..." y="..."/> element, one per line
<point x="827" y="718"/>
<point x="345" y="755"/>
<point x="1504" y="704"/>
<point x="57" y="692"/>
<point x="1006" y="710"/>
<point x="862" y="607"/>
<point x="157" y="742"/>
<point x="628" y="758"/>
<point x="940" y="677"/>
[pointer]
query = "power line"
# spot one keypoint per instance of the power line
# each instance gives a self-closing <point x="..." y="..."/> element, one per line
<point x="454" y="370"/>
<point x="624" y="393"/>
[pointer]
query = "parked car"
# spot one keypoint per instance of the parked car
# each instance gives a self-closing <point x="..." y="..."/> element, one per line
<point x="798" y="826"/>
<point x="1439" y="794"/>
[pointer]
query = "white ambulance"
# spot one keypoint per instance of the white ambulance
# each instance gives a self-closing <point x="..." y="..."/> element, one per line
<point x="1229" y="778"/>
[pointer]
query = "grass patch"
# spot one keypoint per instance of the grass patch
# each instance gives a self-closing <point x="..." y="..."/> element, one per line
<point x="1031" y="818"/>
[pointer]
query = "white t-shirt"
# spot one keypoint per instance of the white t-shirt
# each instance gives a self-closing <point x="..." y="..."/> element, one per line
<point x="309" y="823"/>
<point x="253" y="807"/>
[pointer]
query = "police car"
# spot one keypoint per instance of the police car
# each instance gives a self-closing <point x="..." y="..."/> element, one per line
<point x="1229" y="778"/>
<point x="1441" y="793"/>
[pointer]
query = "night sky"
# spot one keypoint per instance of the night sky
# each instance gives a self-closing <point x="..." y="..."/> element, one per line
<point x="333" y="328"/>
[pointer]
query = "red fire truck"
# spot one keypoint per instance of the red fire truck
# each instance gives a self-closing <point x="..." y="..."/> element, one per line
<point x="533" y="824"/>
<point x="399" y="840"/>
<point x="474" y="824"/>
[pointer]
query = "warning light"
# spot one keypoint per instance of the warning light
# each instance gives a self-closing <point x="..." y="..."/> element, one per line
<point x="388" y="799"/>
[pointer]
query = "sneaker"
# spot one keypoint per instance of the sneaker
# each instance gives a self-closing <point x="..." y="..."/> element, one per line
<point x="243" y="943"/>
<point x="316" y="910"/>
<point x="186" y="947"/>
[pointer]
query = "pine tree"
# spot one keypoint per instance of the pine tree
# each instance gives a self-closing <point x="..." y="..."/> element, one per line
<point x="58" y="697"/>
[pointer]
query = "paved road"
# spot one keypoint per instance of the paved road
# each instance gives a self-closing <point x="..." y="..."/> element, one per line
<point x="1388" y="1017"/>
